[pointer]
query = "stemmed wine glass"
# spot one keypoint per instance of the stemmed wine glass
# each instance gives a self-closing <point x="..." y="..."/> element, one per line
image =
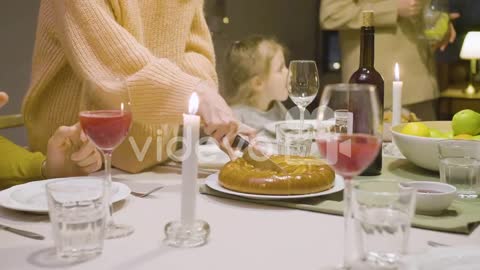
<point x="349" y="137"/>
<point x="302" y="84"/>
<point x="106" y="119"/>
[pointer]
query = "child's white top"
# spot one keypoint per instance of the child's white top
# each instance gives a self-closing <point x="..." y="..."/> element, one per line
<point x="258" y="119"/>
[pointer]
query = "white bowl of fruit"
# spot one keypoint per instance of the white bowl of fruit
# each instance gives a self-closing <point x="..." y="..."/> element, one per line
<point x="418" y="140"/>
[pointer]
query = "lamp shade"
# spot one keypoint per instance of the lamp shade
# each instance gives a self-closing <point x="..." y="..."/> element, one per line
<point x="471" y="46"/>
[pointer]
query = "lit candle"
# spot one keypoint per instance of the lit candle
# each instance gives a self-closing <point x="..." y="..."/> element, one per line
<point x="397" y="98"/>
<point x="191" y="130"/>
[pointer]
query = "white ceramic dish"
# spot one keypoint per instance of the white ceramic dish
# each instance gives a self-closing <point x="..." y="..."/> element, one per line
<point x="212" y="182"/>
<point x="31" y="197"/>
<point x="433" y="197"/>
<point x="421" y="151"/>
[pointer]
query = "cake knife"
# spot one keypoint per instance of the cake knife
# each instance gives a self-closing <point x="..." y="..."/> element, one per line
<point x="259" y="160"/>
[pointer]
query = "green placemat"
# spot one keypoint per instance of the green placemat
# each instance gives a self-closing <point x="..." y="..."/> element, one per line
<point x="461" y="217"/>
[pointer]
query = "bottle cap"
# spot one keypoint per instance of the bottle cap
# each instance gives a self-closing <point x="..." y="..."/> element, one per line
<point x="367" y="16"/>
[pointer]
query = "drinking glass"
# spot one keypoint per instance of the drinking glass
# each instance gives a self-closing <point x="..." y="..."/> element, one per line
<point x="294" y="138"/>
<point x="434" y="21"/>
<point x="460" y="166"/>
<point x="349" y="137"/>
<point x="302" y="84"/>
<point x="382" y="214"/>
<point x="77" y="210"/>
<point x="106" y="120"/>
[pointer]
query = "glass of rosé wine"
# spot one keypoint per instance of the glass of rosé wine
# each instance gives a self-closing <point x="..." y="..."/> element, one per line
<point x="106" y="119"/>
<point x="351" y="140"/>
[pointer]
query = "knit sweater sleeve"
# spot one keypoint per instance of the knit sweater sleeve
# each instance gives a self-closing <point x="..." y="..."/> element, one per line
<point x="18" y="165"/>
<point x="199" y="59"/>
<point x="99" y="48"/>
<point x="346" y="14"/>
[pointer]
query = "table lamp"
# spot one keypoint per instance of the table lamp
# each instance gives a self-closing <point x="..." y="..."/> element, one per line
<point x="471" y="50"/>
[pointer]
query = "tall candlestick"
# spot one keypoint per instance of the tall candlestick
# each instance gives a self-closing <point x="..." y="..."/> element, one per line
<point x="397" y="98"/>
<point x="191" y="130"/>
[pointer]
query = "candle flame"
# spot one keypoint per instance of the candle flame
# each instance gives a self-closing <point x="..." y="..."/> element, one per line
<point x="397" y="72"/>
<point x="193" y="104"/>
<point x="122" y="107"/>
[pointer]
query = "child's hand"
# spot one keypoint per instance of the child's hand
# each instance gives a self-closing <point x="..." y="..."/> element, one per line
<point x="3" y="99"/>
<point x="70" y="153"/>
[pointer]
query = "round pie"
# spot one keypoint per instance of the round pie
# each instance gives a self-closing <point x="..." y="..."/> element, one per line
<point x="300" y="176"/>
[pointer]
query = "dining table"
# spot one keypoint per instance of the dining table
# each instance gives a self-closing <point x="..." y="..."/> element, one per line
<point x="244" y="235"/>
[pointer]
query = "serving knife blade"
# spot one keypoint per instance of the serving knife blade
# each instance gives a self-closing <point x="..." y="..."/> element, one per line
<point x="24" y="233"/>
<point x="259" y="159"/>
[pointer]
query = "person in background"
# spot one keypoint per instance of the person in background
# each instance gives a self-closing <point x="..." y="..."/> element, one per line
<point x="396" y="40"/>
<point x="69" y="153"/>
<point x="256" y="81"/>
<point x="161" y="49"/>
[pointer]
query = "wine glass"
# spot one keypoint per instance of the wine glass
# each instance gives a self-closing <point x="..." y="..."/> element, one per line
<point x="434" y="21"/>
<point x="106" y="119"/>
<point x="349" y="137"/>
<point x="302" y="84"/>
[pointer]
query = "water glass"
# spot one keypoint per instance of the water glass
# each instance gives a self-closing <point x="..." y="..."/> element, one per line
<point x="382" y="214"/>
<point x="294" y="138"/>
<point x="460" y="166"/>
<point x="77" y="210"/>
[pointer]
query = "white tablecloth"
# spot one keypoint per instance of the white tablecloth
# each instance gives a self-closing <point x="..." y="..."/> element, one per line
<point x="243" y="236"/>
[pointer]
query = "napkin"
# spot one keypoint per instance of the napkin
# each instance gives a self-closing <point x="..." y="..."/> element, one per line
<point x="461" y="217"/>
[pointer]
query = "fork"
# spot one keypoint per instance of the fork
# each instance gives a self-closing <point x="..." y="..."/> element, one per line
<point x="436" y="244"/>
<point x="145" y="194"/>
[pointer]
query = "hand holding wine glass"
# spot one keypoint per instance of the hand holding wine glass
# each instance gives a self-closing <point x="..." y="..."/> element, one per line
<point x="106" y="120"/>
<point x="302" y="84"/>
<point x="349" y="136"/>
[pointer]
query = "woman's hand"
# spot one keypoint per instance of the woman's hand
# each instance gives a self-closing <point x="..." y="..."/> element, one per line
<point x="219" y="121"/>
<point x="451" y="34"/>
<point x="70" y="153"/>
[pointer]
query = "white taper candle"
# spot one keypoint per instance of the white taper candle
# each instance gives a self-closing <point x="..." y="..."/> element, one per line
<point x="191" y="132"/>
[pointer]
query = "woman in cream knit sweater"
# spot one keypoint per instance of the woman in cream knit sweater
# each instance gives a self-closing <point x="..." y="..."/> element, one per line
<point x="162" y="49"/>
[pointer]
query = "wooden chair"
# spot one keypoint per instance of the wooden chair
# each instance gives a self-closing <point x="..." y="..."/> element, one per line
<point x="11" y="120"/>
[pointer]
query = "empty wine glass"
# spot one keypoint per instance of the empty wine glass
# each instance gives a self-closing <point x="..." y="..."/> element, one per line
<point x="349" y="137"/>
<point x="302" y="84"/>
<point x="106" y="119"/>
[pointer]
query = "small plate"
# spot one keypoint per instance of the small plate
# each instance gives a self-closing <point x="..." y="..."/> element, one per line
<point x="212" y="182"/>
<point x="31" y="197"/>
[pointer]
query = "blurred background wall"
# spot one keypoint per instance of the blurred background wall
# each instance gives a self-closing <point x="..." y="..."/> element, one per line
<point x="18" y="21"/>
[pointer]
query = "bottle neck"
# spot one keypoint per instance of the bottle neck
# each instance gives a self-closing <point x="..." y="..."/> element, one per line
<point x="367" y="47"/>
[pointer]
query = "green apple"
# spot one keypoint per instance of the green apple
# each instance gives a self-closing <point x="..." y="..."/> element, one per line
<point x="449" y="134"/>
<point x="435" y="133"/>
<point x="466" y="122"/>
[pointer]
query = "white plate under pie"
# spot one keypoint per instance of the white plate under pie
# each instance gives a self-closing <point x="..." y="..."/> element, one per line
<point x="31" y="196"/>
<point x="212" y="182"/>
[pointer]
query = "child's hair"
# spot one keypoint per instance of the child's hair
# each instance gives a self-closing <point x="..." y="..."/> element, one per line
<point x="246" y="59"/>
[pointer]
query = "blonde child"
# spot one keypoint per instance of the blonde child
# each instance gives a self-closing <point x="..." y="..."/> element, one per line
<point x="255" y="81"/>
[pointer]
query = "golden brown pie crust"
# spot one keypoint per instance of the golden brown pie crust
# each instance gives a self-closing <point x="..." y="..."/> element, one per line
<point x="302" y="176"/>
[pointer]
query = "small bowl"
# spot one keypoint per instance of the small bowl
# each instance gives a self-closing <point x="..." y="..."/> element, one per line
<point x="433" y="197"/>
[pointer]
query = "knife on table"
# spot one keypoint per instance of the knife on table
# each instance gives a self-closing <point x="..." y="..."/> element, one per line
<point x="259" y="160"/>
<point x="22" y="232"/>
